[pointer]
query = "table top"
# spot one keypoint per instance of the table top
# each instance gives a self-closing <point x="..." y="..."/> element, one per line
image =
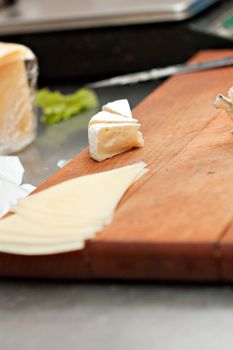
<point x="35" y="315"/>
<point x="114" y="316"/>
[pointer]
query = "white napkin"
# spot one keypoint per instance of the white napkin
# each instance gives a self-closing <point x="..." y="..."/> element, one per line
<point x="11" y="190"/>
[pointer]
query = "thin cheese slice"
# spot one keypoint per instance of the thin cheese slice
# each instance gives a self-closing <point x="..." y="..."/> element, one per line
<point x="92" y="198"/>
<point x="38" y="249"/>
<point x="108" y="140"/>
<point x="107" y="117"/>
<point x="113" y="131"/>
<point x="86" y="196"/>
<point x="51" y="216"/>
<point x="20" y="226"/>
<point x="121" y="107"/>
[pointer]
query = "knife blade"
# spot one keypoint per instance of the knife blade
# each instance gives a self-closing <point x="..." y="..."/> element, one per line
<point x="158" y="73"/>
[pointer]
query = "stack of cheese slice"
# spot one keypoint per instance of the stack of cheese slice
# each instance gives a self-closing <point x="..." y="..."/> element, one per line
<point x="18" y="70"/>
<point x="61" y="218"/>
<point x="113" y="131"/>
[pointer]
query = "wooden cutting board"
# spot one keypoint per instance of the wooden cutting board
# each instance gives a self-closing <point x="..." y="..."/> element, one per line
<point x="176" y="223"/>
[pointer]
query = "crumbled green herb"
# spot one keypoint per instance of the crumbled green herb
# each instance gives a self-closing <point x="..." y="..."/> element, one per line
<point x="57" y="107"/>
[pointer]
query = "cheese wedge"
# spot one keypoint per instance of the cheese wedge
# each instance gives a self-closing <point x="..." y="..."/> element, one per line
<point x="108" y="140"/>
<point x="120" y="107"/>
<point x="61" y="218"/>
<point x="113" y="131"/>
<point x="107" y="117"/>
<point x="17" y="118"/>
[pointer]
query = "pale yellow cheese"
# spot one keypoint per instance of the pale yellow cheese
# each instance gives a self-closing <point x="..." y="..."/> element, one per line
<point x="40" y="249"/>
<point x="17" y="119"/>
<point x="61" y="218"/>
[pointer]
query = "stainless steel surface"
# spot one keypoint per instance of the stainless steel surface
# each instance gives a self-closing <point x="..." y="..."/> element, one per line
<point x="53" y="143"/>
<point x="107" y="316"/>
<point x="159" y="73"/>
<point x="114" y="317"/>
<point x="45" y="15"/>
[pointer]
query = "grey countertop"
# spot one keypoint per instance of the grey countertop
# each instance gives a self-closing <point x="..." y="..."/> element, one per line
<point x="114" y="316"/>
<point x="107" y="315"/>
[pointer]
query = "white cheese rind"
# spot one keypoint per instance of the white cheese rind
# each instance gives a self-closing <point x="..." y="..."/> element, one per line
<point x="120" y="107"/>
<point x="107" y="117"/>
<point x="113" y="131"/>
<point x="108" y="140"/>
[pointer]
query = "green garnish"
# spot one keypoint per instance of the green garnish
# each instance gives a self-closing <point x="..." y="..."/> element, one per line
<point x="57" y="107"/>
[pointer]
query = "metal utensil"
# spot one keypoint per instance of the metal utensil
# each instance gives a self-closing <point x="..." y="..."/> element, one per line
<point x="158" y="73"/>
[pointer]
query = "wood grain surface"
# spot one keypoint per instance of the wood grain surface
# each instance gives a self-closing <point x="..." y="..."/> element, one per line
<point x="175" y="223"/>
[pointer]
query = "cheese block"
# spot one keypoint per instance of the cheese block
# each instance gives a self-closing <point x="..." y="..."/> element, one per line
<point x="108" y="140"/>
<point x="10" y="52"/>
<point x="60" y="219"/>
<point x="17" y="117"/>
<point x="107" y="117"/>
<point x="120" y="107"/>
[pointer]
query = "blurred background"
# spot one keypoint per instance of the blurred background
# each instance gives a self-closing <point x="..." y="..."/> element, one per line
<point x="88" y="40"/>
